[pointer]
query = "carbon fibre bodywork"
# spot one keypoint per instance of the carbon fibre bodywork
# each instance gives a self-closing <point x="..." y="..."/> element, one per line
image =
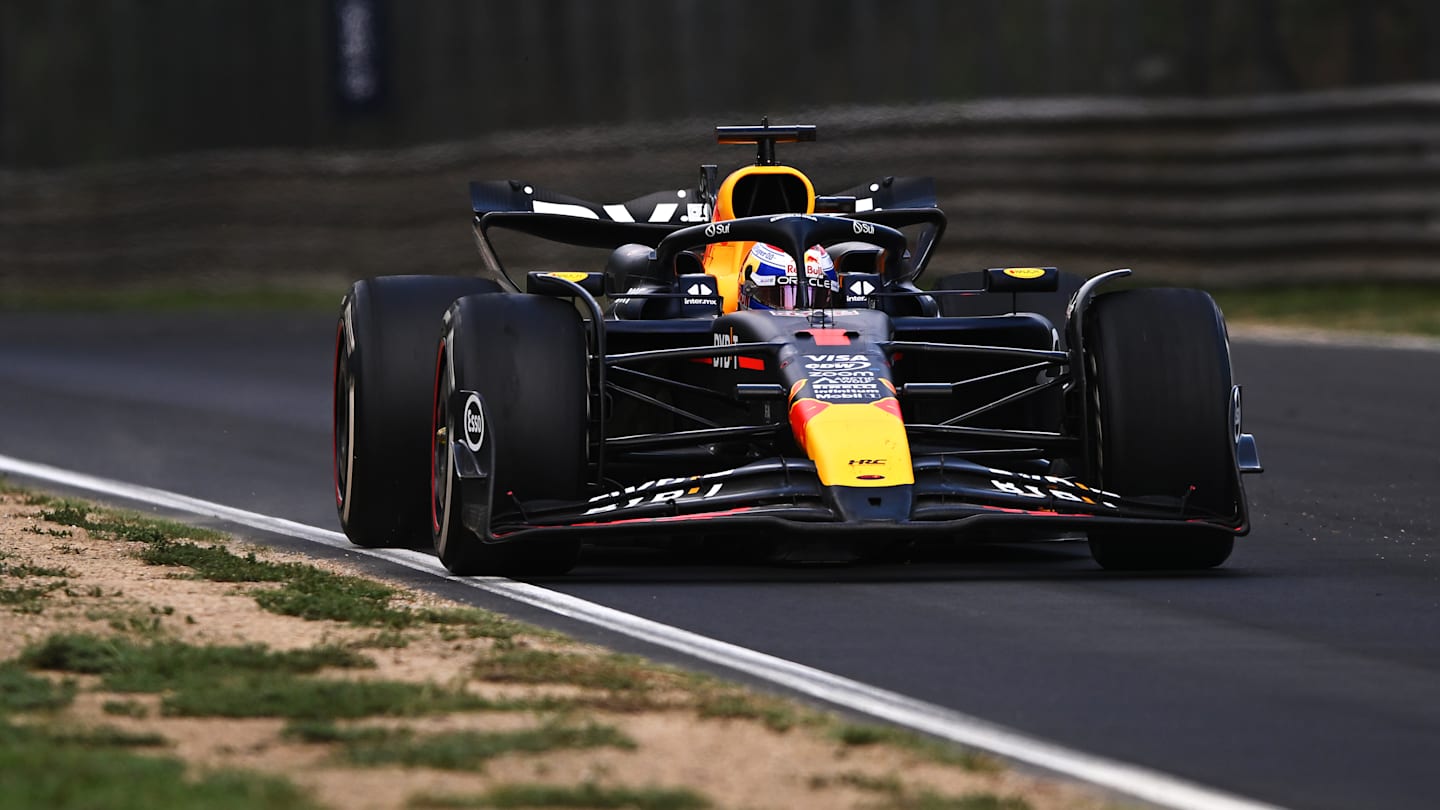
<point x="884" y="418"/>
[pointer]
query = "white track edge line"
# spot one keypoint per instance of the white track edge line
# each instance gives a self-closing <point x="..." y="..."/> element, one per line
<point x="939" y="721"/>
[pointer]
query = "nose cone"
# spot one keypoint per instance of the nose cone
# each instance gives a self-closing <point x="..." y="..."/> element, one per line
<point x="872" y="504"/>
<point x="854" y="444"/>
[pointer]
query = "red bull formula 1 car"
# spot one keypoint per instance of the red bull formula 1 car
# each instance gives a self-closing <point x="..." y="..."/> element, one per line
<point x="695" y="382"/>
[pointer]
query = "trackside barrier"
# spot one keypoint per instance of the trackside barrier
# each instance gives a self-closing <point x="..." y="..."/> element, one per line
<point x="1336" y="185"/>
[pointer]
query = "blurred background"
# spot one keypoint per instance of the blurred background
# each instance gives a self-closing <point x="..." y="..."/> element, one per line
<point x="230" y="143"/>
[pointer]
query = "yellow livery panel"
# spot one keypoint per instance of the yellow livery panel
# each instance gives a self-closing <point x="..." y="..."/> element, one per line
<point x="854" y="444"/>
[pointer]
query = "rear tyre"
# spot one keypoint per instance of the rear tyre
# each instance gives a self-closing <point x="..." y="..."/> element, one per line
<point x="526" y="357"/>
<point x="1159" y="381"/>
<point x="384" y="344"/>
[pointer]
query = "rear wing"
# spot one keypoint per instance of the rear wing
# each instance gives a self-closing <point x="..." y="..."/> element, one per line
<point x="681" y="206"/>
<point x="549" y="215"/>
<point x="545" y="214"/>
<point x="889" y="193"/>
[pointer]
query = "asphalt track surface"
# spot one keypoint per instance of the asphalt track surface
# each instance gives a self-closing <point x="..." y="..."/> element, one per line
<point x="1306" y="673"/>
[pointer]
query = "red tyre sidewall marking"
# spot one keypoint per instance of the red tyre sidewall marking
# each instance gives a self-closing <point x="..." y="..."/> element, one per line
<point x="335" y="415"/>
<point x="434" y="432"/>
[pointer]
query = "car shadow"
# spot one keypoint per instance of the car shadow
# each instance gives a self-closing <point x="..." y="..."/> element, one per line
<point x="1056" y="561"/>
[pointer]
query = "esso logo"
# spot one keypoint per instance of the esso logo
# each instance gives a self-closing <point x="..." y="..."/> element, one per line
<point x="472" y="430"/>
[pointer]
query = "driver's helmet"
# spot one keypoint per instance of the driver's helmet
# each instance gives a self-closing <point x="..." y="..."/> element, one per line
<point x="769" y="280"/>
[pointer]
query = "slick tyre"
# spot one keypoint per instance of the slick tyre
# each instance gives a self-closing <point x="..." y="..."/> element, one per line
<point x="526" y="357"/>
<point x="1159" y="382"/>
<point x="384" y="356"/>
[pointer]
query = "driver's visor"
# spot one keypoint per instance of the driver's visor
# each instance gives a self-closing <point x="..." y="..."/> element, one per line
<point x="774" y="296"/>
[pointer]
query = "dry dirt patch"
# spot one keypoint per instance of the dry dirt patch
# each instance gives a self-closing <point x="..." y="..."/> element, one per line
<point x="659" y="733"/>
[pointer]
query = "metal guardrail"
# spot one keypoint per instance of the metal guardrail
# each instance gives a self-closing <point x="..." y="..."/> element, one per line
<point x="1341" y="184"/>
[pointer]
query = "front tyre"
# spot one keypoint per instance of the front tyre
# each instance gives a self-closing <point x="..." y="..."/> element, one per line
<point x="526" y="357"/>
<point x="1160" y="386"/>
<point x="384" y="340"/>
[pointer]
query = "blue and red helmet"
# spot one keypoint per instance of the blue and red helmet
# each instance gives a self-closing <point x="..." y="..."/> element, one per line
<point x="770" y="281"/>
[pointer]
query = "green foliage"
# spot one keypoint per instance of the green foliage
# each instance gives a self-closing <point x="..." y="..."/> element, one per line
<point x="388" y="639"/>
<point x="588" y="795"/>
<point x="28" y="598"/>
<point x="864" y="734"/>
<point x="469" y="750"/>
<point x="889" y="784"/>
<point x="897" y="797"/>
<point x="89" y="768"/>
<point x="777" y="715"/>
<point x="115" y="524"/>
<point x="48" y="532"/>
<point x="215" y="563"/>
<point x="59" y="770"/>
<point x="126" y="708"/>
<point x="306" y="591"/>
<point x="1392" y="307"/>
<point x="24" y="570"/>
<point x="481" y="623"/>
<point x="126" y="666"/>
<point x="253" y="681"/>
<point x="321" y="595"/>
<point x="106" y="737"/>
<point x="970" y="801"/>
<point x="612" y="672"/>
<point x="281" y="695"/>
<point x="22" y="692"/>
<point x="325" y="731"/>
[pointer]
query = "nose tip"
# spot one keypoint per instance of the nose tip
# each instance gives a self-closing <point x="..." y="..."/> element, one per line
<point x="873" y="504"/>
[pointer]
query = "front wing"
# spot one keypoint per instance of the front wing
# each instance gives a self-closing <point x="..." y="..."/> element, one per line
<point x="950" y="496"/>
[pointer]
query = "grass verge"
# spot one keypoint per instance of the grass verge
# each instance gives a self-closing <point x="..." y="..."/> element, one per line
<point x="114" y="523"/>
<point x="610" y="672"/>
<point x="252" y="681"/>
<point x="305" y="590"/>
<point x="860" y="735"/>
<point x="22" y="692"/>
<point x="588" y="795"/>
<point x="1409" y="308"/>
<point x="60" y="770"/>
<point x="126" y="666"/>
<point x="456" y="750"/>
<point x="388" y="683"/>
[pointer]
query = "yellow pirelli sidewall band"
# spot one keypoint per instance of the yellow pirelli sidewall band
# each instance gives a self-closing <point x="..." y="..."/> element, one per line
<point x="859" y="445"/>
